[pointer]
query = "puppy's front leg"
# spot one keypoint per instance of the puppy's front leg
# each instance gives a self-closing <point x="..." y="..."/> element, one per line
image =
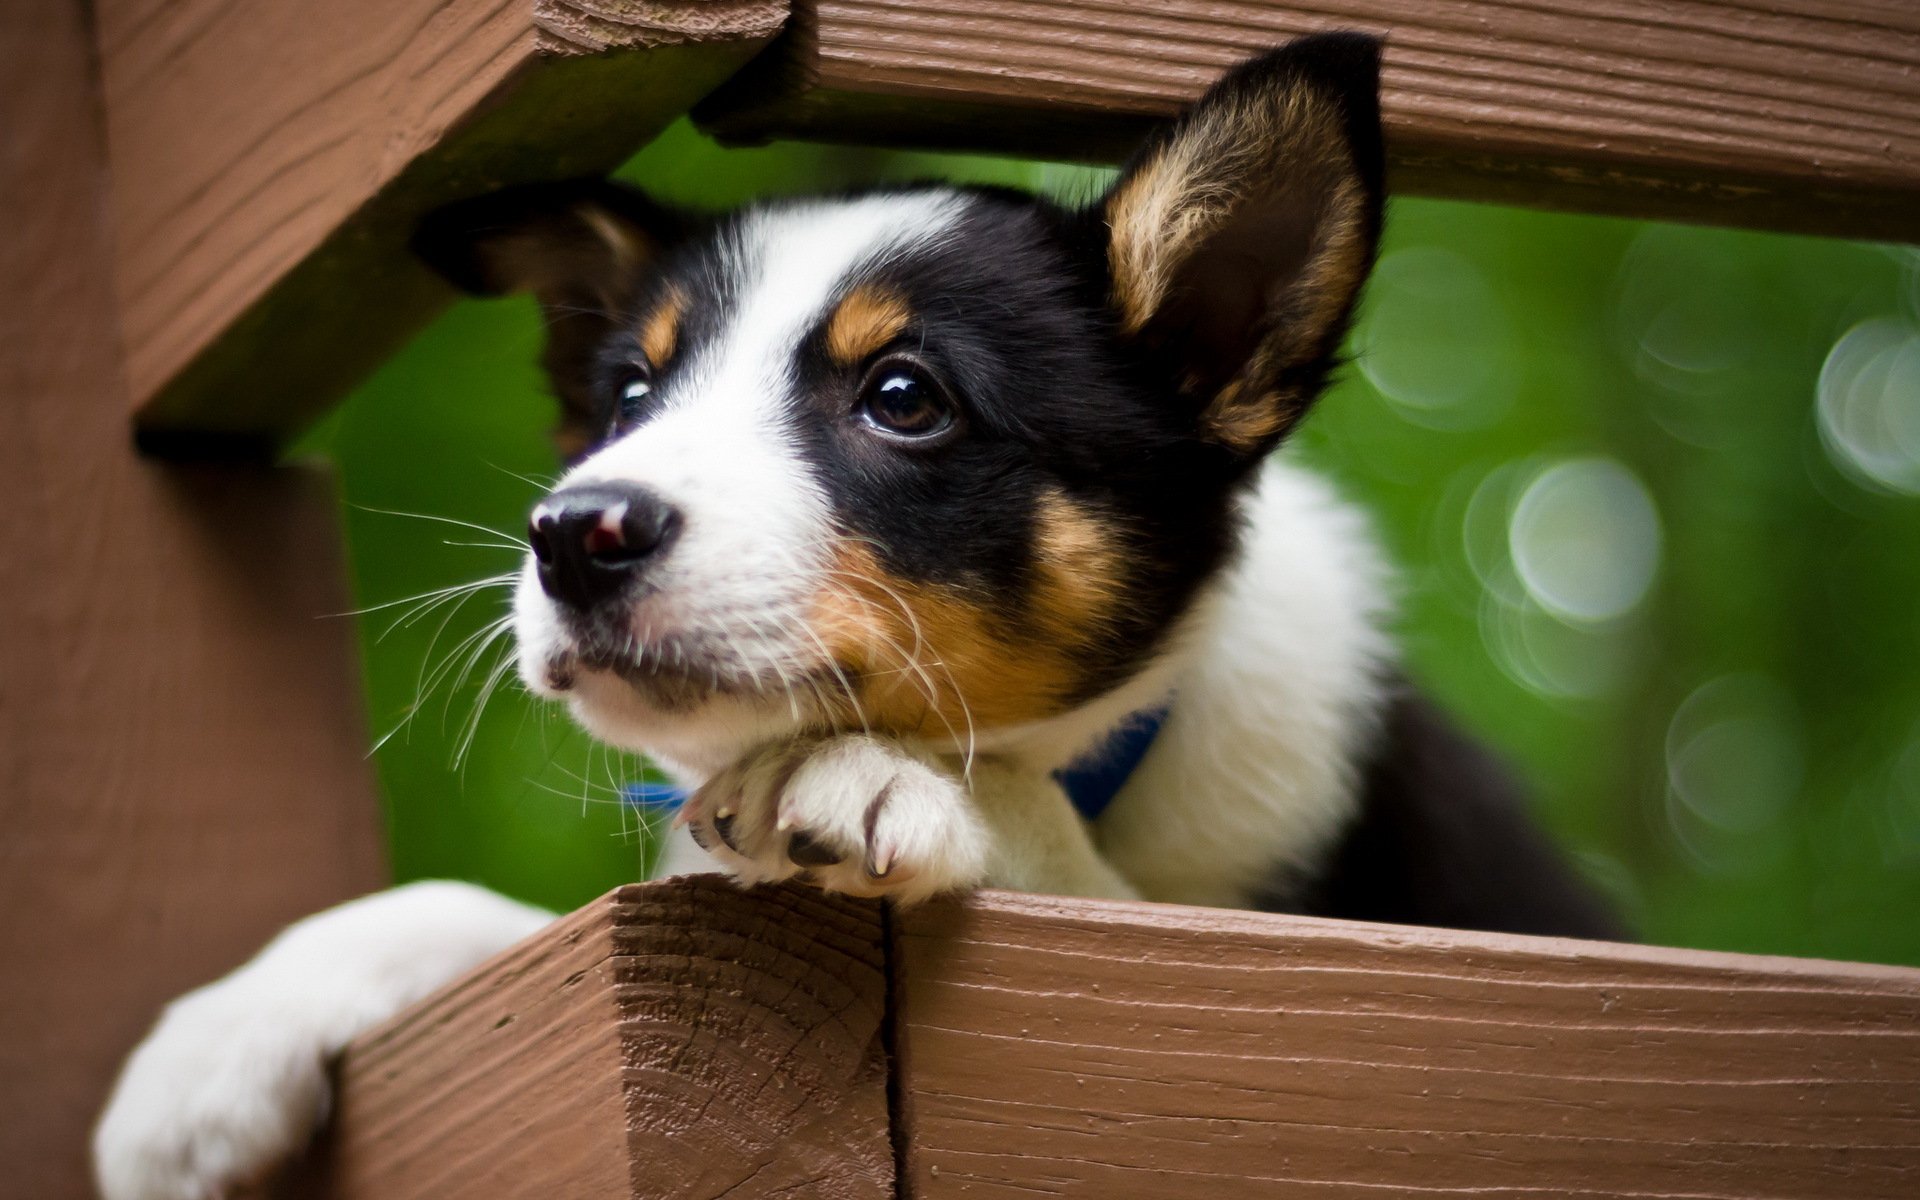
<point x="870" y="816"/>
<point x="1040" y="843"/>
<point x="233" y="1078"/>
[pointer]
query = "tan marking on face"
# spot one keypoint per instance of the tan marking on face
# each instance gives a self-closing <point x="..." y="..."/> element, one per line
<point x="660" y="332"/>
<point x="931" y="660"/>
<point x="868" y="319"/>
<point x="1081" y="576"/>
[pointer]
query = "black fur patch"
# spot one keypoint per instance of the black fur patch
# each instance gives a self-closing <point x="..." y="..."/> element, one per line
<point x="1443" y="839"/>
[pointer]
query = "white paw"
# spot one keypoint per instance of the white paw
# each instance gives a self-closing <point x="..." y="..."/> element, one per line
<point x="215" y="1098"/>
<point x="851" y="814"/>
<point x="233" y="1079"/>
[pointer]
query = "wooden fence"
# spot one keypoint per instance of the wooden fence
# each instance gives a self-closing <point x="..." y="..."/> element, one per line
<point x="688" y="1039"/>
<point x="205" y="208"/>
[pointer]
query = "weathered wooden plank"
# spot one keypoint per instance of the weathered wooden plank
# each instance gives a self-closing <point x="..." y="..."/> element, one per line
<point x="1084" y="1048"/>
<point x="181" y="741"/>
<point x="688" y="1039"/>
<point x="675" y="1040"/>
<point x="271" y="158"/>
<point x="1803" y="115"/>
<point x="507" y="1085"/>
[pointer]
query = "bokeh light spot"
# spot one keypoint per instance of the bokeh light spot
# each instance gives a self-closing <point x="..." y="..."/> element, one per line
<point x="1689" y="315"/>
<point x="1483" y="529"/>
<point x="1869" y="405"/>
<point x="1687" y="304"/>
<point x="1436" y="342"/>
<point x="1901" y="838"/>
<point x="1734" y="753"/>
<point x="1585" y="539"/>
<point x="1550" y="657"/>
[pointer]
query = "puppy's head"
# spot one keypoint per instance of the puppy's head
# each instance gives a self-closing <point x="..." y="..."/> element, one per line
<point x="931" y="461"/>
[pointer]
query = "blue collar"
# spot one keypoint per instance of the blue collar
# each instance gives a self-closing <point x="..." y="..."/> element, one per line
<point x="1090" y="781"/>
<point x="1096" y="777"/>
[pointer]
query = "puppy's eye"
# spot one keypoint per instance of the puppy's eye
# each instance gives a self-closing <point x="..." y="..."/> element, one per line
<point x="630" y="405"/>
<point x="900" y="399"/>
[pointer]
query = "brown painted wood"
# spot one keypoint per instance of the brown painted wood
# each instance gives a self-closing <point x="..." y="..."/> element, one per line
<point x="1082" y="1048"/>
<point x="687" y="1039"/>
<point x="1798" y="114"/>
<point x="676" y="1040"/>
<point x="271" y="158"/>
<point x="182" y="760"/>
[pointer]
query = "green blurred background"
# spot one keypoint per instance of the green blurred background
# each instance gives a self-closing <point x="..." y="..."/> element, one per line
<point x="1655" y="493"/>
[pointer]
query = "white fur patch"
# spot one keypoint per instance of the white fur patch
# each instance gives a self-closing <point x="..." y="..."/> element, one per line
<point x="233" y="1078"/>
<point x="1275" y="695"/>
<point x="1039" y="843"/>
<point x="755" y="525"/>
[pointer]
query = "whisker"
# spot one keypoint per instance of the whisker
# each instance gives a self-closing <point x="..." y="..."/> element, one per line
<point x="545" y="485"/>
<point x="510" y="547"/>
<point x="458" y="587"/>
<point x="414" y="616"/>
<point x="427" y="680"/>
<point x="507" y="662"/>
<point x="472" y="525"/>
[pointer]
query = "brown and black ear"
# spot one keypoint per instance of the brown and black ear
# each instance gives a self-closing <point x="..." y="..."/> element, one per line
<point x="1239" y="236"/>
<point x="584" y="248"/>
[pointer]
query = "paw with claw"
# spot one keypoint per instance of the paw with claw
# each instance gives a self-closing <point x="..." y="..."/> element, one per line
<point x="853" y="814"/>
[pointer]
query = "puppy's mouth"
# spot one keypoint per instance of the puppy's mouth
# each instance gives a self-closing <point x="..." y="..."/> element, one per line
<point x="678" y="672"/>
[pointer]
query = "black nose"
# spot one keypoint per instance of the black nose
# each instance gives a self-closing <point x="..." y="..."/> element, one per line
<point x="589" y="543"/>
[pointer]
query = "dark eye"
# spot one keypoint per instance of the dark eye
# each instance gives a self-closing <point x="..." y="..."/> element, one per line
<point x="630" y="400"/>
<point x="900" y="399"/>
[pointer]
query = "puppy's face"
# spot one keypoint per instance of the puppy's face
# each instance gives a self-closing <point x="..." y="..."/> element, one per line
<point x="931" y="462"/>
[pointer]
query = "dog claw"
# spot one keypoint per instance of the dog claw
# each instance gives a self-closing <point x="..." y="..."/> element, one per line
<point x="846" y="813"/>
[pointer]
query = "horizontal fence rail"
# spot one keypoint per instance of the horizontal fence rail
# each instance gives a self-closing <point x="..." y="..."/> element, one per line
<point x="1797" y="114"/>
<point x="688" y="1039"/>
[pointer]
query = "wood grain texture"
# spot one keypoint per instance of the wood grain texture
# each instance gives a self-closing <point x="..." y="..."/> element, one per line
<point x="676" y="1040"/>
<point x="182" y="763"/>
<point x="688" y="1039"/>
<point x="1081" y="1048"/>
<point x="271" y="158"/>
<point x="1801" y="114"/>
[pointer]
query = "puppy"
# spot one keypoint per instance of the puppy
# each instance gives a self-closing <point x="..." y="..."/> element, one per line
<point x="930" y="536"/>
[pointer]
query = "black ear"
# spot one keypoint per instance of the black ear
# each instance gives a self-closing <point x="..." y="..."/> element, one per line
<point x="1239" y="235"/>
<point x="585" y="248"/>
